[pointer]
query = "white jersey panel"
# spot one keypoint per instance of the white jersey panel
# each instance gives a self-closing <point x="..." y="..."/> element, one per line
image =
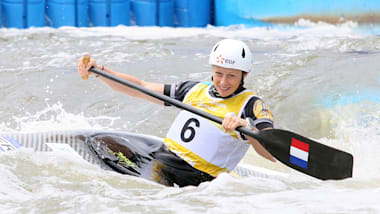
<point x="207" y="140"/>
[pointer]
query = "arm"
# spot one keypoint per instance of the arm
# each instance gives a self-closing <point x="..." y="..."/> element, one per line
<point x="260" y="148"/>
<point x="230" y="123"/>
<point x="83" y="70"/>
<point x="258" y="110"/>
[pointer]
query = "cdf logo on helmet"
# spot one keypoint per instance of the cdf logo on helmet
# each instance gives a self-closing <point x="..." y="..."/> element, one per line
<point x="230" y="53"/>
<point x="219" y="59"/>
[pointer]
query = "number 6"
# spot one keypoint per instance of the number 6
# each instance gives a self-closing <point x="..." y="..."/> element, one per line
<point x="186" y="128"/>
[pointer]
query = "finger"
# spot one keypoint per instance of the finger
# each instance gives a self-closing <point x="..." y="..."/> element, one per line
<point x="82" y="69"/>
<point x="225" y="125"/>
<point x="229" y="127"/>
<point x="234" y="122"/>
<point x="229" y="123"/>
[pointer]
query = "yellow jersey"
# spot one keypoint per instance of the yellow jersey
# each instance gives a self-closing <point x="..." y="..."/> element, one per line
<point x="203" y="143"/>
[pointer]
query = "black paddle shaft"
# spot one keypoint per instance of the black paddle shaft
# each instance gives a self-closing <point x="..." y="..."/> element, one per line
<point x="320" y="161"/>
<point x="157" y="95"/>
<point x="171" y="101"/>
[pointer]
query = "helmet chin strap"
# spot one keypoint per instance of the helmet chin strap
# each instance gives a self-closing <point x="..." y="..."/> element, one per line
<point x="242" y="81"/>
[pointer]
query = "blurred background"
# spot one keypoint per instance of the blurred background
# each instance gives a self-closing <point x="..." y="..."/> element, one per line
<point x="183" y="13"/>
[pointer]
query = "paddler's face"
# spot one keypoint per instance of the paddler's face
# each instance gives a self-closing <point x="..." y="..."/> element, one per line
<point x="226" y="80"/>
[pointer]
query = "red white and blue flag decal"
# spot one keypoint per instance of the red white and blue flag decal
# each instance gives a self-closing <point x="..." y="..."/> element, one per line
<point x="299" y="153"/>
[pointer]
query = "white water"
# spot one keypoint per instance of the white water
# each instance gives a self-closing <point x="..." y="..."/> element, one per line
<point x="320" y="80"/>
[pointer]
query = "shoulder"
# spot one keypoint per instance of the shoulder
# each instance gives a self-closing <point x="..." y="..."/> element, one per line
<point x="179" y="90"/>
<point x="259" y="112"/>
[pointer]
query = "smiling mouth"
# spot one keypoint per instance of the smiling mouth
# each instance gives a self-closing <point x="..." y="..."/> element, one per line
<point x="224" y="88"/>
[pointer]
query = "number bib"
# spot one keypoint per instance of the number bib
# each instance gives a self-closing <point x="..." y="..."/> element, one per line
<point x="204" y="144"/>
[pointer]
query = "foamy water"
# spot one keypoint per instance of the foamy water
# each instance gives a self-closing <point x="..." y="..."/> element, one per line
<point x="321" y="81"/>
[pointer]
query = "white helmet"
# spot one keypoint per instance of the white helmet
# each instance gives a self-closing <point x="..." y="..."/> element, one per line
<point x="230" y="53"/>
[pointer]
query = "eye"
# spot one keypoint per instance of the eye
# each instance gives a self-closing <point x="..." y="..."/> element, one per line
<point x="231" y="75"/>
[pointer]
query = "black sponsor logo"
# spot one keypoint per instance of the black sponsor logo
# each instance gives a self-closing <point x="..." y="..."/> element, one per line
<point x="229" y="61"/>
